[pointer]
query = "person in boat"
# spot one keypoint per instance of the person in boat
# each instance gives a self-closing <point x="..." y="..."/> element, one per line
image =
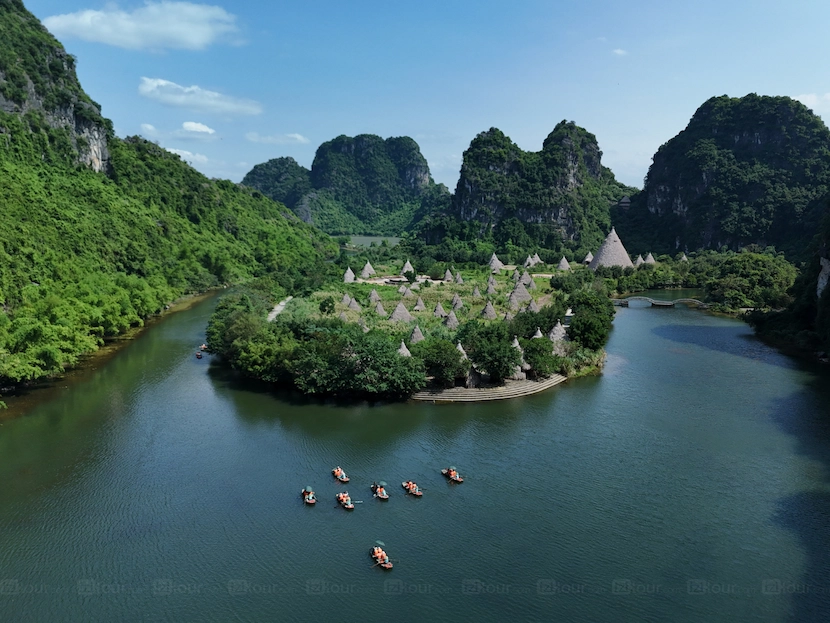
<point x="338" y="471"/>
<point x="409" y="485"/>
<point x="308" y="495"/>
<point x="380" y="491"/>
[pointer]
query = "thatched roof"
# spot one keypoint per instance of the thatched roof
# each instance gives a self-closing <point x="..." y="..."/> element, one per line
<point x="403" y="351"/>
<point x="402" y="289"/>
<point x="458" y="279"/>
<point x="491" y="289"/>
<point x="528" y="262"/>
<point x="379" y="310"/>
<point x="518" y="375"/>
<point x="508" y="316"/>
<point x="611" y="253"/>
<point x="515" y="276"/>
<point x="407" y="268"/>
<point x="491" y="281"/>
<point x="639" y="261"/>
<point x="476" y="292"/>
<point x="401" y="314"/>
<point x="353" y="305"/>
<point x="516" y="344"/>
<point x="448" y="275"/>
<point x="416" y="336"/>
<point x="348" y="276"/>
<point x="489" y="312"/>
<point x="342" y="316"/>
<point x="531" y="285"/>
<point x="461" y="350"/>
<point x="346" y="299"/>
<point x="537" y="335"/>
<point x="419" y="305"/>
<point x="533" y="307"/>
<point x="495" y="263"/>
<point x="407" y="293"/>
<point x="557" y="334"/>
<point x="588" y="258"/>
<point x="367" y="271"/>
<point x="457" y="303"/>
<point x="451" y="322"/>
<point x="526" y="278"/>
<point x="563" y="264"/>
<point x="683" y="258"/>
<point x="439" y="311"/>
<point x="374" y="297"/>
<point x="650" y="259"/>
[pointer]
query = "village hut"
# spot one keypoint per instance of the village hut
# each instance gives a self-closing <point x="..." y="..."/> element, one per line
<point x="448" y="275"/>
<point x="639" y="261"/>
<point x="407" y="293"/>
<point x="491" y="289"/>
<point x="516" y="276"/>
<point x="402" y="289"/>
<point x="374" y="297"/>
<point x="353" y="305"/>
<point x="457" y="303"/>
<point x="342" y="316"/>
<point x="531" y="285"/>
<point x="491" y="281"/>
<point x="508" y="316"/>
<point x="650" y="259"/>
<point x="368" y="271"/>
<point x="439" y="311"/>
<point x="563" y="264"/>
<point x="525" y="278"/>
<point x="348" y="276"/>
<point x="403" y="351"/>
<point x="533" y="307"/>
<point x="489" y="312"/>
<point x="588" y="258"/>
<point x="611" y="253"/>
<point x="537" y="335"/>
<point x="407" y="268"/>
<point x="419" y="305"/>
<point x="451" y="321"/>
<point x="416" y="336"/>
<point x="683" y="258"/>
<point x="477" y="292"/>
<point x="516" y="345"/>
<point x="537" y="259"/>
<point x="458" y="279"/>
<point x="401" y="314"/>
<point x="461" y="350"/>
<point x="380" y="311"/>
<point x="528" y="262"/>
<point x="557" y="334"/>
<point x="346" y="299"/>
<point x="495" y="263"/>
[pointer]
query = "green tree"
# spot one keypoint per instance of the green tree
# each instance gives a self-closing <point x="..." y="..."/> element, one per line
<point x="442" y="360"/>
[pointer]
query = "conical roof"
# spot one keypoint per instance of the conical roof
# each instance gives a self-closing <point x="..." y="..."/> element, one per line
<point x="439" y="311"/>
<point x="557" y="334"/>
<point x="458" y="279"/>
<point x="683" y="258"/>
<point x="476" y="292"/>
<point x="611" y="253"/>
<point x="531" y="285"/>
<point x="491" y="289"/>
<point x="537" y="259"/>
<point x="461" y="350"/>
<point x="491" y="281"/>
<point x="649" y="259"/>
<point x="416" y="336"/>
<point x="639" y="261"/>
<point x="588" y="258"/>
<point x="367" y="271"/>
<point x="346" y="299"/>
<point x="419" y="305"/>
<point x="508" y="316"/>
<point x="407" y="293"/>
<point x="488" y="311"/>
<point x="374" y="297"/>
<point x="526" y="278"/>
<point x="521" y="293"/>
<point x="402" y="289"/>
<point x="403" y="351"/>
<point x="451" y="322"/>
<point x="379" y="310"/>
<point x="348" y="276"/>
<point x="528" y="262"/>
<point x="401" y="314"/>
<point x="563" y="264"/>
<point x="458" y="304"/>
<point x="455" y="299"/>
<point x="516" y="276"/>
<point x="342" y="316"/>
<point x="495" y="263"/>
<point x="537" y="335"/>
<point x="448" y="275"/>
<point x="516" y="345"/>
<point x="533" y="307"/>
<point x="354" y="306"/>
<point x="407" y="268"/>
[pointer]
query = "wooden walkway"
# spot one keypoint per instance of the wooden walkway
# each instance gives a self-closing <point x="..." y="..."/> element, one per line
<point x="658" y="303"/>
<point x="510" y="389"/>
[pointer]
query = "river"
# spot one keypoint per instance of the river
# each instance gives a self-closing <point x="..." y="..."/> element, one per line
<point x="688" y="482"/>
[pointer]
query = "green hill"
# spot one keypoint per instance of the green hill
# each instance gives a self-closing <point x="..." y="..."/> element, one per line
<point x="99" y="232"/>
<point x="356" y="185"/>
<point x="746" y="171"/>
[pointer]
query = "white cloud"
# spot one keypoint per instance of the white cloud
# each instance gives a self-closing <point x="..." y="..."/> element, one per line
<point x="196" y="98"/>
<point x="194" y="126"/>
<point x="817" y="102"/>
<point x="155" y="26"/>
<point x="620" y="52"/>
<point x="278" y="139"/>
<point x="148" y="129"/>
<point x="188" y="155"/>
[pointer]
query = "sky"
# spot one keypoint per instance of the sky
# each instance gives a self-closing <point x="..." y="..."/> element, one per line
<point x="228" y="85"/>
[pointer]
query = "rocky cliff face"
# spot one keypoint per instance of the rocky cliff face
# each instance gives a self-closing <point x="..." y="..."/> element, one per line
<point x="748" y="170"/>
<point x="38" y="76"/>
<point x="563" y="186"/>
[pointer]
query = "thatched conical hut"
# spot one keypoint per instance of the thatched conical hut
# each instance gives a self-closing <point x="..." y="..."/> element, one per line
<point x="516" y="345"/>
<point x="448" y="275"/>
<point x="563" y="264"/>
<point x="346" y="299"/>
<point x="650" y="259"/>
<point x="531" y="285"/>
<point x="342" y="317"/>
<point x="477" y="292"/>
<point x="458" y="279"/>
<point x="537" y="335"/>
<point x="639" y="261"/>
<point x="403" y="351"/>
<point x="683" y="258"/>
<point x="508" y="316"/>
<point x="515" y="276"/>
<point x="407" y="293"/>
<point x="557" y="334"/>
<point x="611" y="253"/>
<point x="348" y="276"/>
<point x="439" y="311"/>
<point x="461" y="350"/>
<point x="491" y="289"/>
<point x="368" y="271"/>
<point x="419" y="305"/>
<point x="402" y="289"/>
<point x="353" y="305"/>
<point x="374" y="297"/>
<point x="458" y="303"/>
<point x="520" y="293"/>
<point x="488" y="312"/>
<point x="536" y="259"/>
<point x="495" y="263"/>
<point x="588" y="258"/>
<point x="451" y="322"/>
<point x="401" y="314"/>
<point x="533" y="307"/>
<point x="491" y="281"/>
<point x="525" y="278"/>
<point x="528" y="262"/>
<point x="407" y="268"/>
<point x="416" y="335"/>
<point x="379" y="310"/>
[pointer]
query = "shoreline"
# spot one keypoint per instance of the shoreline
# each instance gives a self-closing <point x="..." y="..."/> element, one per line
<point x="510" y="389"/>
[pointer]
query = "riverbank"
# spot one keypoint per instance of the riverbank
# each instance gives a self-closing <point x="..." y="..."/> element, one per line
<point x="510" y="389"/>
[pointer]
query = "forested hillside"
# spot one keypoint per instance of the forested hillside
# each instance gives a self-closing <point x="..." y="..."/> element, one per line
<point x="96" y="237"/>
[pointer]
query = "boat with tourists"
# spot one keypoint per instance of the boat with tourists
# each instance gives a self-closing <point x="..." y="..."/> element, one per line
<point x="345" y="500"/>
<point x="380" y="557"/>
<point x="452" y="474"/>
<point x="379" y="489"/>
<point x="412" y="488"/>
<point x="308" y="496"/>
<point x="338" y="473"/>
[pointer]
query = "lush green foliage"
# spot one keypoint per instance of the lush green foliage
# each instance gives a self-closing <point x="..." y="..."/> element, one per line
<point x="442" y="360"/>
<point x="282" y="179"/>
<point x="489" y="348"/>
<point x="750" y="170"/>
<point x="592" y="319"/>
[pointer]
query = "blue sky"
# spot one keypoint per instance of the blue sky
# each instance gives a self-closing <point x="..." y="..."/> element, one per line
<point x="233" y="84"/>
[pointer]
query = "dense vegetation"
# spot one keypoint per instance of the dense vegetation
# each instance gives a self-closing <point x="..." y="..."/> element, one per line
<point x="359" y="185"/>
<point x="750" y="170"/>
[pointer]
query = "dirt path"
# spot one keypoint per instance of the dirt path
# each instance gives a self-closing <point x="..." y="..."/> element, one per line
<point x="278" y="309"/>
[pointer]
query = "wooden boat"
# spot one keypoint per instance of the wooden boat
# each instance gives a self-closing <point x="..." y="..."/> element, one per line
<point x="308" y="496"/>
<point x="385" y="565"/>
<point x="455" y="478"/>
<point x="377" y="485"/>
<point x="416" y="491"/>
<point x="342" y="477"/>
<point x="198" y="354"/>
<point x="345" y="501"/>
<point x="203" y="347"/>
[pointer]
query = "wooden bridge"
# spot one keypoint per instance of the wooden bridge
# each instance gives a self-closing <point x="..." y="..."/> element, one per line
<point x="655" y="303"/>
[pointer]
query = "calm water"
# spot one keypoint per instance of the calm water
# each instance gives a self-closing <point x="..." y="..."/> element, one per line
<point x="366" y="241"/>
<point x="688" y="483"/>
